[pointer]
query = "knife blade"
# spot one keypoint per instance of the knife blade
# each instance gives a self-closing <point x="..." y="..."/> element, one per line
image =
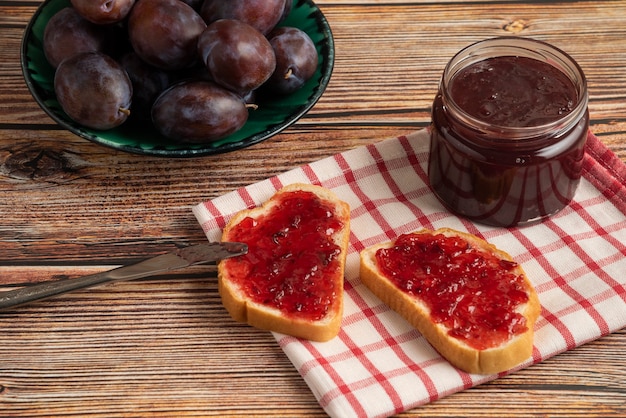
<point x="180" y="258"/>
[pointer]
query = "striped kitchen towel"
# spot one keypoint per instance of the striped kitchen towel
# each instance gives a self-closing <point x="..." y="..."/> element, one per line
<point x="379" y="365"/>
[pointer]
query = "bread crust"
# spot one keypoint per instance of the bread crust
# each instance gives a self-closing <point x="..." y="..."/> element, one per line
<point x="266" y="317"/>
<point x="488" y="361"/>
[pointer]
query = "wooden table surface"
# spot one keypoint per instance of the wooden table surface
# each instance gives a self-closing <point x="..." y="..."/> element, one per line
<point x="165" y="346"/>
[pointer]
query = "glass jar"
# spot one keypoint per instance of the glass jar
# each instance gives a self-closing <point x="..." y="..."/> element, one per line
<point x="509" y="126"/>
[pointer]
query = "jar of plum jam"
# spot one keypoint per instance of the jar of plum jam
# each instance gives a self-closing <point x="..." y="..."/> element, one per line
<point x="509" y="126"/>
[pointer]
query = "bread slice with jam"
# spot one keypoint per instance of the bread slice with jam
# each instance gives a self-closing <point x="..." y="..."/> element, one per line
<point x="470" y="300"/>
<point x="291" y="279"/>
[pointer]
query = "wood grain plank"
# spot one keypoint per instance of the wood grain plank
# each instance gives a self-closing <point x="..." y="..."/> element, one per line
<point x="166" y="347"/>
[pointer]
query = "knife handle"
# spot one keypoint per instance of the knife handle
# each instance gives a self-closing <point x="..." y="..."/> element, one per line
<point x="45" y="290"/>
<point x="184" y="257"/>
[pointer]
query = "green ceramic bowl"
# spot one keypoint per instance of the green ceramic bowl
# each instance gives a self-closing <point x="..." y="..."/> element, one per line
<point x="269" y="119"/>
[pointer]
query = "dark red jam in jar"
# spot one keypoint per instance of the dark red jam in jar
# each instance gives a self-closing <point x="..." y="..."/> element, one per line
<point x="509" y="126"/>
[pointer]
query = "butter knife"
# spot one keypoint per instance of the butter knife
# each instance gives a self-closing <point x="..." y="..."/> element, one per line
<point x="183" y="257"/>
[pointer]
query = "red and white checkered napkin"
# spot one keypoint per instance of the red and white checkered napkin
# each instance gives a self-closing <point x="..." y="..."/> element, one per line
<point x="379" y="365"/>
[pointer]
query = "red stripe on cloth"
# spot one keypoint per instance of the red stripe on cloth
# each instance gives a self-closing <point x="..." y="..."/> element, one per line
<point x="310" y="174"/>
<point x="217" y="215"/>
<point x="599" y="230"/>
<point x="358" y="353"/>
<point x="563" y="284"/>
<point x="606" y="157"/>
<point x="357" y="246"/>
<point x="472" y="228"/>
<point x="276" y="182"/>
<point x="363" y="198"/>
<point x="600" y="163"/>
<point x="592" y="266"/>
<point x="341" y="388"/>
<point x="553" y="319"/>
<point x="611" y="188"/>
<point x="245" y="196"/>
<point x="391" y="342"/>
<point x="536" y="355"/>
<point x="419" y="370"/>
<point x="413" y="159"/>
<point x="376" y="374"/>
<point x="399" y="195"/>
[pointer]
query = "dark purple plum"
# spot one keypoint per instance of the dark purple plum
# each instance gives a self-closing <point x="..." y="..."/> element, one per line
<point x="103" y="11"/>
<point x="286" y="10"/>
<point x="296" y="59"/>
<point x="238" y="56"/>
<point x="195" y="4"/>
<point x="263" y="15"/>
<point x="164" y="33"/>
<point x="67" y="33"/>
<point x="148" y="82"/>
<point x="94" y="90"/>
<point x="198" y="112"/>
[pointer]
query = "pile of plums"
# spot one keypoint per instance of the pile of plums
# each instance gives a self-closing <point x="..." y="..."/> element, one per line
<point x="193" y="68"/>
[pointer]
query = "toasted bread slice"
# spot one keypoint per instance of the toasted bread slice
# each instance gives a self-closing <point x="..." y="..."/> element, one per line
<point x="291" y="280"/>
<point x="480" y="319"/>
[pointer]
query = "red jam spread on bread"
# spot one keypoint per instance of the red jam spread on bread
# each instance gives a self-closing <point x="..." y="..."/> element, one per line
<point x="291" y="256"/>
<point x="470" y="291"/>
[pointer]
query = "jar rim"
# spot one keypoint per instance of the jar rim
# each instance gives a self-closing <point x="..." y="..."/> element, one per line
<point x="516" y="46"/>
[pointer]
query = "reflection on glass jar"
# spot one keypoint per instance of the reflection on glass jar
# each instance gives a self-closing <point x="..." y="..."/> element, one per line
<point x="508" y="132"/>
